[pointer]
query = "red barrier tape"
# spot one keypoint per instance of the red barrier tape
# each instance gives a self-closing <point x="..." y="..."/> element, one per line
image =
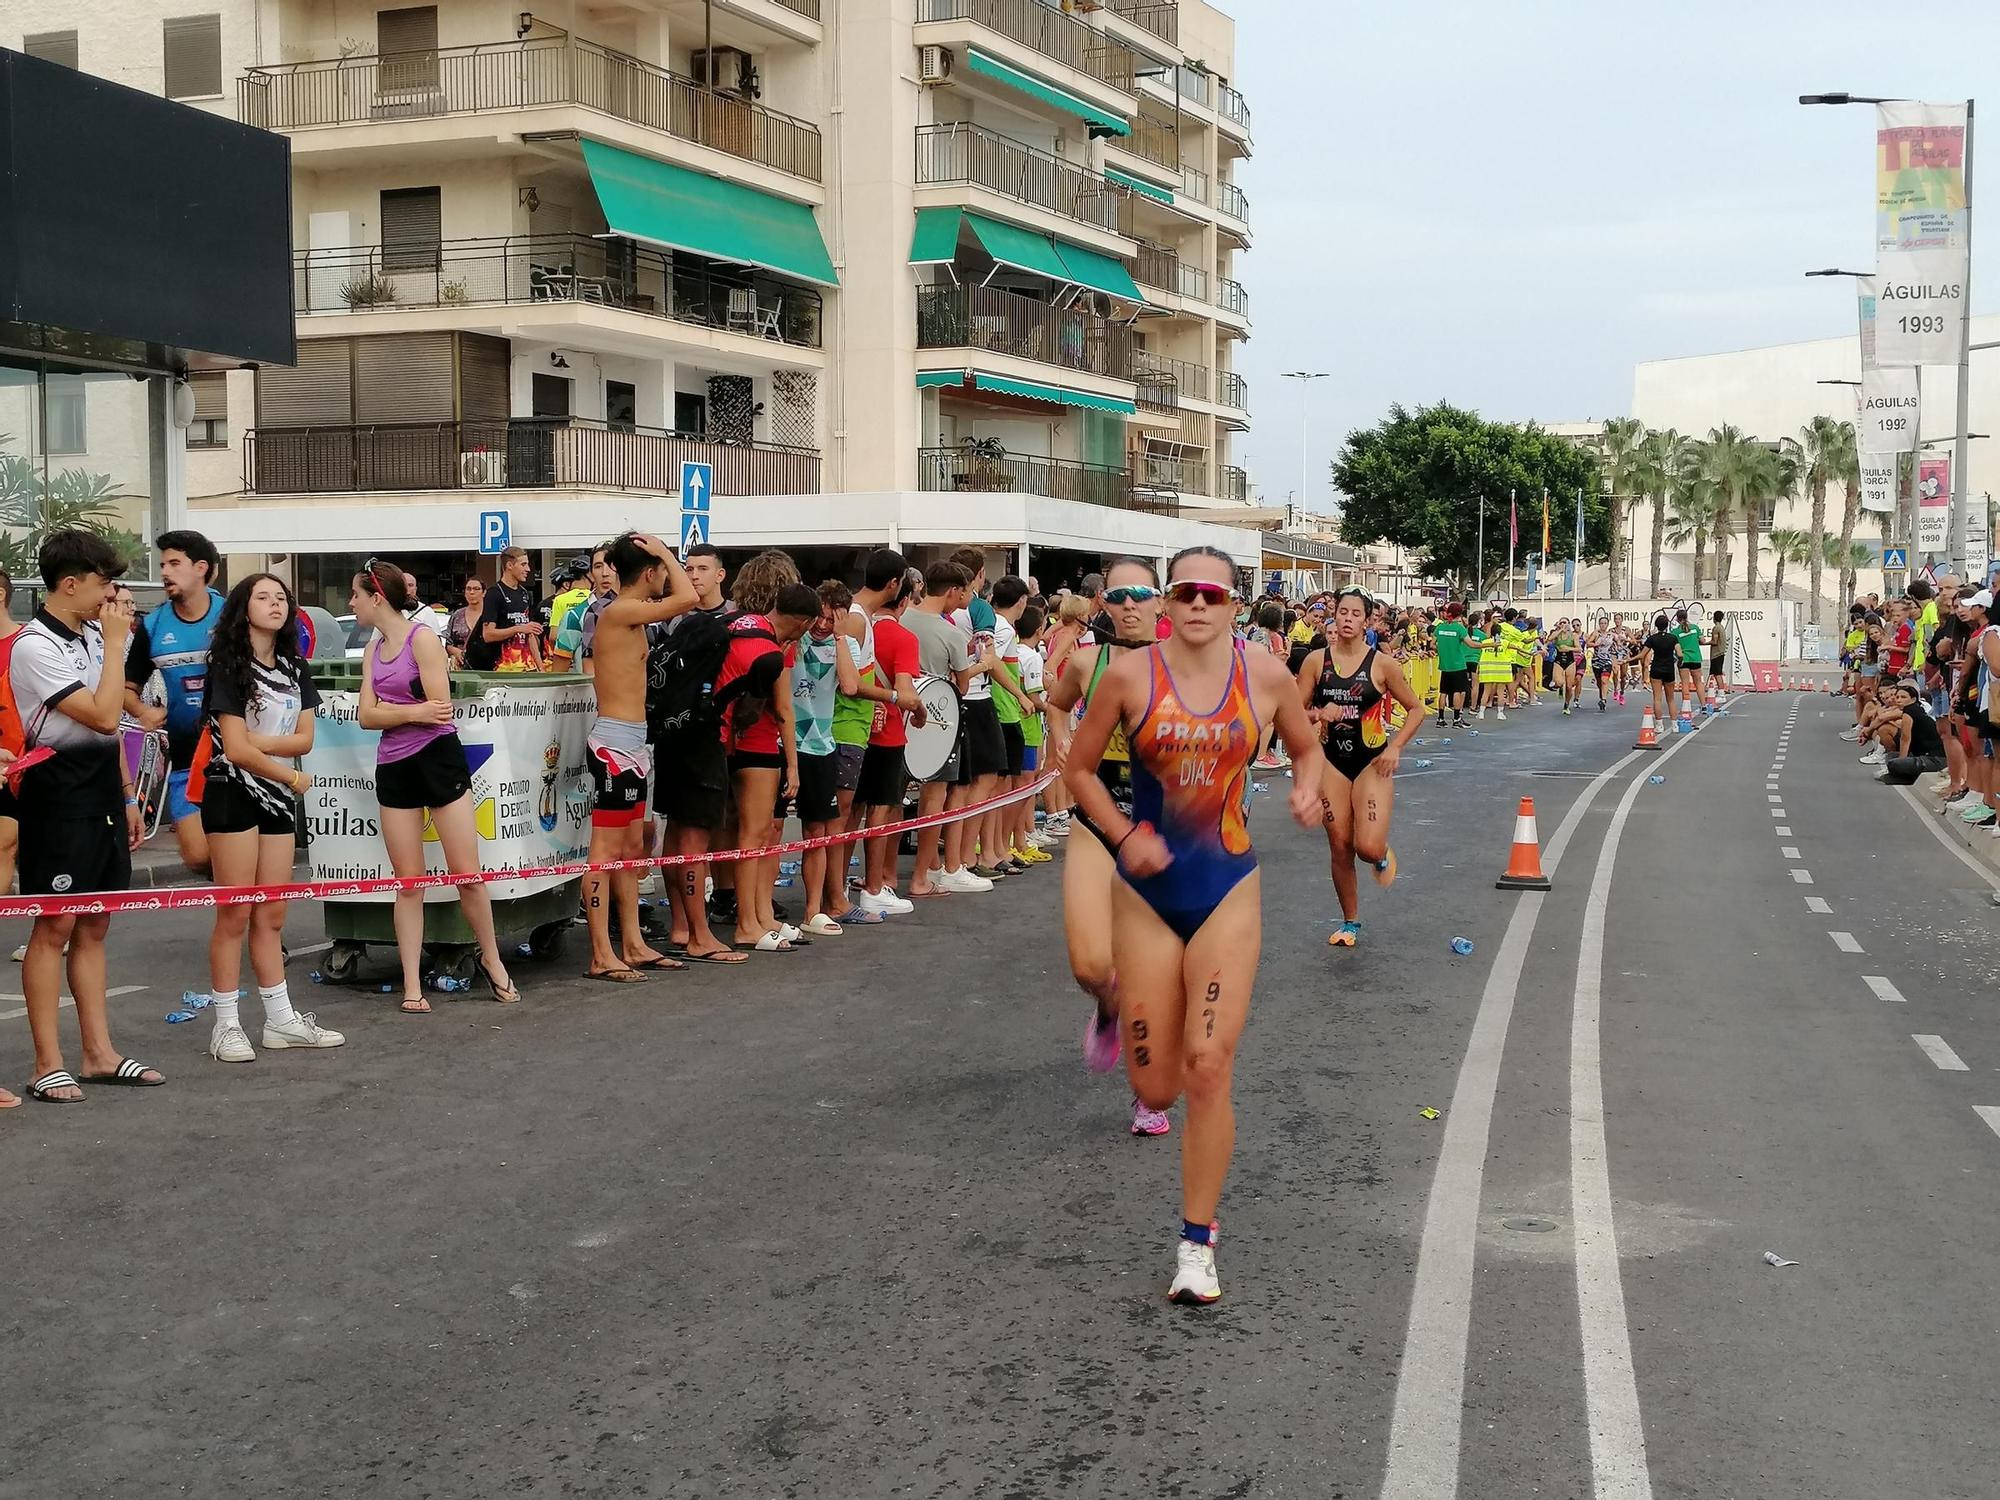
<point x="176" y="898"/>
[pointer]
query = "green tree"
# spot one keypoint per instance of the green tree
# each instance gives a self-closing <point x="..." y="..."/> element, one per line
<point x="1624" y="467"/>
<point x="32" y="506"/>
<point x="1823" y="453"/>
<point x="1730" y="462"/>
<point x="1790" y="545"/>
<point x="1418" y="480"/>
<point x="1664" y="456"/>
<point x="1697" y="510"/>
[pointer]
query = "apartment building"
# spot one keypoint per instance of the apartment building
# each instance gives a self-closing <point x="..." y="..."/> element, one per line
<point x="927" y="272"/>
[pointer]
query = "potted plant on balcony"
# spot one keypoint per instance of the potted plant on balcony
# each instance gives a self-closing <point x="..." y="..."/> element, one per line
<point x="372" y="289"/>
<point x="983" y="459"/>
<point x="452" y="291"/>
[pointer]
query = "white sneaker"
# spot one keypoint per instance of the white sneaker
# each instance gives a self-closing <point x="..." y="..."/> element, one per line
<point x="301" y="1031"/>
<point x="1194" y="1275"/>
<point x="884" y="902"/>
<point x="1500" y="711"/>
<point x="229" y="1044"/>
<point x="961" y="881"/>
<point x="1482" y="713"/>
<point x="1883" y="774"/>
<point x="1058" y="826"/>
<point x="1874" y="757"/>
<point x="1852" y="736"/>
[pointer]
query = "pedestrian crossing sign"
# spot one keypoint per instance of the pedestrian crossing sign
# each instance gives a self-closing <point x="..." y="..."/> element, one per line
<point x="694" y="530"/>
<point x="1896" y="559"/>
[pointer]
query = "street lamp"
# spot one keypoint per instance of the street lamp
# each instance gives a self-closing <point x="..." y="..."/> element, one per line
<point x="1961" y="493"/>
<point x="1305" y="378"/>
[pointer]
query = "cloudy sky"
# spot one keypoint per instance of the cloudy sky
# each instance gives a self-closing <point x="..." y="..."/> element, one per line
<point x="1508" y="205"/>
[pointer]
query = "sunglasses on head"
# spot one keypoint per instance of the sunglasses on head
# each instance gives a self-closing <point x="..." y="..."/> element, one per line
<point x="1197" y="591"/>
<point x="1131" y="593"/>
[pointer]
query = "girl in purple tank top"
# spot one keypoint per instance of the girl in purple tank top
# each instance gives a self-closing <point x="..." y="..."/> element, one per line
<point x="420" y="768"/>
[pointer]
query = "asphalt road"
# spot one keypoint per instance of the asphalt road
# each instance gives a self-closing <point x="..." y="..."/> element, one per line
<point x="856" y="1222"/>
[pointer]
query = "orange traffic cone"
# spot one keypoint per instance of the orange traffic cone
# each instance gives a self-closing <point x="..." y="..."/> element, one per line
<point x="1649" y="736"/>
<point x="1524" y="865"/>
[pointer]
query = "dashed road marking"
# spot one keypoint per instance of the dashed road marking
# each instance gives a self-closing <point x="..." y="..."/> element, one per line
<point x="1938" y="1052"/>
<point x="1990" y="1113"/>
<point x="1803" y="877"/>
<point x="1782" y="830"/>
<point x="1773" y="799"/>
<point x="1819" y="904"/>
<point x="1883" y="989"/>
<point x="1845" y="942"/>
<point x="1789" y="851"/>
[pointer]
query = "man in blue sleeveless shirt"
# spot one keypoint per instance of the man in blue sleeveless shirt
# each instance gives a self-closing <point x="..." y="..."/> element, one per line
<point x="173" y="641"/>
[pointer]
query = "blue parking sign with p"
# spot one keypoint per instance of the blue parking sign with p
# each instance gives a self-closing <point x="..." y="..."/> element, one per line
<point x="494" y="532"/>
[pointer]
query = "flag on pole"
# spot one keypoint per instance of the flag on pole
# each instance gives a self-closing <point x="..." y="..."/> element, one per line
<point x="1545" y="524"/>
<point x="1513" y="523"/>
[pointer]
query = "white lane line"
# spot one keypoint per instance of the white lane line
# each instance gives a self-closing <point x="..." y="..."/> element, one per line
<point x="1883" y="989"/>
<point x="21" y="1007"/>
<point x="1990" y="1113"/>
<point x="1425" y="1432"/>
<point x="1802" y="877"/>
<point x="1777" y="812"/>
<point x="1610" y="1388"/>
<point x="1845" y="942"/>
<point x="1964" y="855"/>
<point x="1819" y="904"/>
<point x="1936" y="1050"/>
<point x="1769" y="798"/>
<point x="1782" y="830"/>
<point x="1789" y="851"/>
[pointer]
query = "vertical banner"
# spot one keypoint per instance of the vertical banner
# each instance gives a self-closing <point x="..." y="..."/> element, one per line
<point x="1878" y="482"/>
<point x="1920" y="233"/>
<point x="1934" y="503"/>
<point x="1865" y="287"/>
<point x="1888" y="421"/>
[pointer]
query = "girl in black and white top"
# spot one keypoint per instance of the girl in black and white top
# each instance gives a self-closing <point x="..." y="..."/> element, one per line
<point x="257" y="721"/>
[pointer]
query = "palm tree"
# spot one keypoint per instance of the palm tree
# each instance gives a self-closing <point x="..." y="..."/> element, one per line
<point x="1732" y="463"/>
<point x="1662" y="458"/>
<point x="1823" y="454"/>
<point x="1624" y="461"/>
<point x="1697" y="510"/>
<point x="1849" y="557"/>
<point x="1789" y="545"/>
<point x="1850" y="509"/>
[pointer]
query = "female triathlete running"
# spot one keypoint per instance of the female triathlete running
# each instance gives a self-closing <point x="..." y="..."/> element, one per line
<point x="1565" y="644"/>
<point x="1185" y="919"/>
<point x="1604" y="664"/>
<point x="1348" y="690"/>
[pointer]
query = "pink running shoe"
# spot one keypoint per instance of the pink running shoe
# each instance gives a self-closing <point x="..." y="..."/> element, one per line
<point x="1149" y="1121"/>
<point x="1100" y="1042"/>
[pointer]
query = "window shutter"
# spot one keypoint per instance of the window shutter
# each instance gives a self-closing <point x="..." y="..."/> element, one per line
<point x="316" y="392"/>
<point x="403" y="377"/>
<point x="406" y="40"/>
<point x="483" y="378"/>
<point x="52" y="46"/>
<point x="211" y="396"/>
<point x="412" y="225"/>
<point x="193" y="56"/>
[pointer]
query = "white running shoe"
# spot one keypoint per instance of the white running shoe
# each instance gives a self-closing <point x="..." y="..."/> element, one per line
<point x="961" y="881"/>
<point x="1500" y="711"/>
<point x="301" y="1031"/>
<point x="1058" y="826"/>
<point x="1874" y="757"/>
<point x="1482" y="711"/>
<point x="229" y="1044"/>
<point x="884" y="902"/>
<point x="1194" y="1275"/>
<point x="1852" y="735"/>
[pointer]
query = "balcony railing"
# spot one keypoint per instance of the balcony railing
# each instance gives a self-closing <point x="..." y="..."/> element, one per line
<point x="1194" y="184"/>
<point x="1194" y="85"/>
<point x="1187" y="377"/>
<point x="1232" y="390"/>
<point x="807" y="8"/>
<point x="1002" y="322"/>
<point x="1235" y="485"/>
<point x="1156" y="390"/>
<point x="1230" y="199"/>
<point x="1230" y="105"/>
<point x="974" y="154"/>
<point x="1156" y="140"/>
<point x="1056" y="36"/>
<point x="1193" y="282"/>
<point x="1186" y="476"/>
<point x="557" y="268"/>
<point x="516" y="453"/>
<point x="976" y="468"/>
<point x="536" y="72"/>
<point x="1161" y="17"/>
<point x="1156" y="266"/>
<point x="1231" y="297"/>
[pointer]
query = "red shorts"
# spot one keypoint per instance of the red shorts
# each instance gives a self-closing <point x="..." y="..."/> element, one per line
<point x="618" y="785"/>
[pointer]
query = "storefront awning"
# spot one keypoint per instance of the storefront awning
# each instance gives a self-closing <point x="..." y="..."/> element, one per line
<point x="1034" y="390"/>
<point x="1048" y="93"/>
<point x="1138" y="185"/>
<point x="678" y="209"/>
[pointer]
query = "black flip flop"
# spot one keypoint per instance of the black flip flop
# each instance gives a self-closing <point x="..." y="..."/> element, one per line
<point x="712" y="958"/>
<point x="614" y="976"/>
<point x="663" y="964"/>
<point x="39" y="1089"/>
<point x="129" y="1074"/>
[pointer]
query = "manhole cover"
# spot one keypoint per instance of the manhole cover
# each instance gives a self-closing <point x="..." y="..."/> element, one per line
<point x="1529" y="1225"/>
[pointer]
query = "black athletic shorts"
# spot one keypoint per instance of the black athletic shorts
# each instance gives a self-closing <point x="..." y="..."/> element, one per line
<point x="985" y="747"/>
<point x="1017" y="748"/>
<point x="1450" y="683"/>
<point x="436" y="776"/>
<point x="883" y="777"/>
<point x="617" y="785"/>
<point x="1715" y="666"/>
<point x="818" y="799"/>
<point x="691" y="781"/>
<point x="72" y="814"/>
<point x="229" y="808"/>
<point x="755" y="760"/>
<point x="847" y="766"/>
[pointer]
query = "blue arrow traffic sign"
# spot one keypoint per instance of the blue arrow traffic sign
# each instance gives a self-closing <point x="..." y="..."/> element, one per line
<point x="694" y="529"/>
<point x="697" y="480"/>
<point x="1896" y="558"/>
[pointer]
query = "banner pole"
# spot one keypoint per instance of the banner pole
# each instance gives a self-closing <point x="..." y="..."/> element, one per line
<point x="1479" y="571"/>
<point x="1958" y="544"/>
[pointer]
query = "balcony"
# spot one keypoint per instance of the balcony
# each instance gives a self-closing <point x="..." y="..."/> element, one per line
<point x="980" y="468"/>
<point x="1230" y="105"/>
<point x="1042" y="28"/>
<point x="1187" y="378"/>
<point x="518" y="453"/>
<point x="1182" y="476"/>
<point x="1162" y="268"/>
<point x="1235" y="485"/>
<point x="985" y="158"/>
<point x="1161" y="17"/>
<point x="1232" y="390"/>
<point x="807" y="8"/>
<point x="1158" y="141"/>
<point x="1194" y="184"/>
<point x="613" y="273"/>
<point x="535" y="73"/>
<point x="1002" y="322"/>
<point x="1229" y="199"/>
<point x="1232" y="298"/>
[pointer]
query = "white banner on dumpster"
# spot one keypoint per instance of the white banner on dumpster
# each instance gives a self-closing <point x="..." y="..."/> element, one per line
<point x="530" y="787"/>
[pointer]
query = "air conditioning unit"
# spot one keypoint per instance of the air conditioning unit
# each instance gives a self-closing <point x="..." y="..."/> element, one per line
<point x="933" y="64"/>
<point x="721" y="67"/>
<point x="482" y="470"/>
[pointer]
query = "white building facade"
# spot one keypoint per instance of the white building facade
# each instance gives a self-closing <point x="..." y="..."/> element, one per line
<point x="911" y="272"/>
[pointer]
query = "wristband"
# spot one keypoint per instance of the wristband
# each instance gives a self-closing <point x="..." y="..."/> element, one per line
<point x="1119" y="846"/>
<point x="131" y="801"/>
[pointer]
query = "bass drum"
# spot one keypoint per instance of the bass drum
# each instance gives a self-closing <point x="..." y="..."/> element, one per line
<point x="933" y="747"/>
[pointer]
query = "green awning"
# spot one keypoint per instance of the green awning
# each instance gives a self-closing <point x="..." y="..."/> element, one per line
<point x="1151" y="190"/>
<point x="928" y="378"/>
<point x="936" y="241"/>
<point x="1023" y="249"/>
<point x="678" y="209"/>
<point x="1036" y="391"/>
<point x="1099" y="272"/>
<point x="1042" y="89"/>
